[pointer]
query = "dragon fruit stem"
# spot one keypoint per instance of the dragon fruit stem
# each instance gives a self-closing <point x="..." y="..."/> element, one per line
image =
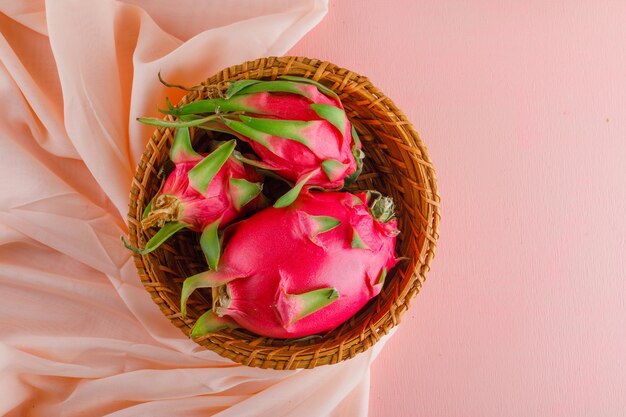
<point x="163" y="209"/>
<point x="153" y="121"/>
<point x="182" y="87"/>
<point x="381" y="207"/>
<point x="214" y="105"/>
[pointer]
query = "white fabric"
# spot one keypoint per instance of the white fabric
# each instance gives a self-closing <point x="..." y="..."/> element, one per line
<point x="79" y="335"/>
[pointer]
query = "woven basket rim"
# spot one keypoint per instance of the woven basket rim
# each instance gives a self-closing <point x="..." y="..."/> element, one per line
<point x="405" y="151"/>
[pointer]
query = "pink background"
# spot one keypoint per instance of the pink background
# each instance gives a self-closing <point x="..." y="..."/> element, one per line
<point x="522" y="106"/>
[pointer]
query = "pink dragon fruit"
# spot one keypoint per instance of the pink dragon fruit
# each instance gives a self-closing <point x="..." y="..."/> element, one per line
<point x="296" y="126"/>
<point x="300" y="270"/>
<point x="202" y="193"/>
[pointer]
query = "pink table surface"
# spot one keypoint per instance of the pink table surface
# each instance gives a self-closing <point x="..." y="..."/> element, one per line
<point x="522" y="106"/>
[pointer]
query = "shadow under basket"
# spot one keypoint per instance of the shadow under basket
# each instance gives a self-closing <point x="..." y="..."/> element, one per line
<point x="396" y="164"/>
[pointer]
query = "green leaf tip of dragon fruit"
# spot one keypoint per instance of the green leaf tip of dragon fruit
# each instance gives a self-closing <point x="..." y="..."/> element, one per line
<point x="202" y="174"/>
<point x="254" y="162"/>
<point x="210" y="244"/>
<point x="291" y="195"/>
<point x="278" y="86"/>
<point x="355" y="136"/>
<point x="182" y="150"/>
<point x="319" y="86"/>
<point x="333" y="114"/>
<point x="382" y="277"/>
<point x="286" y="129"/>
<point x="243" y="191"/>
<point x="357" y="241"/>
<point x="213" y="105"/>
<point x="206" y="279"/>
<point x="305" y="338"/>
<point x="333" y="169"/>
<point x="359" y="156"/>
<point x="236" y="86"/>
<point x="153" y="121"/>
<point x="127" y="245"/>
<point x="147" y="210"/>
<point x="171" y="109"/>
<point x="322" y="224"/>
<point x="355" y="200"/>
<point x="249" y="132"/>
<point x="294" y="307"/>
<point x="167" y="231"/>
<point x="380" y="281"/>
<point x="211" y="322"/>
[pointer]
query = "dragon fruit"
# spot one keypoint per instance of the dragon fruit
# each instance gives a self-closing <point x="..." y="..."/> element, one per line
<point x="297" y="271"/>
<point x="202" y="193"/>
<point x="296" y="126"/>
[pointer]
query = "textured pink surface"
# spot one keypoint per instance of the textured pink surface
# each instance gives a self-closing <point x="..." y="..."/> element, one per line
<point x="522" y="108"/>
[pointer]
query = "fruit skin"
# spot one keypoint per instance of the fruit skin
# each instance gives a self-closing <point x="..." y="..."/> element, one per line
<point x="199" y="209"/>
<point x="203" y="193"/>
<point x="300" y="270"/>
<point x="297" y="127"/>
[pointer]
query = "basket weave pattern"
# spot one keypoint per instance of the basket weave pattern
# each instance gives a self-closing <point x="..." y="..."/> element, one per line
<point x="396" y="164"/>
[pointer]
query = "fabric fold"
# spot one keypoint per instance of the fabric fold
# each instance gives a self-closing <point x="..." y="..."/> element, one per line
<point x="79" y="335"/>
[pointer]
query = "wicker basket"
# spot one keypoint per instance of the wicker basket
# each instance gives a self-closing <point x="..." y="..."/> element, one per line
<point x="396" y="164"/>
